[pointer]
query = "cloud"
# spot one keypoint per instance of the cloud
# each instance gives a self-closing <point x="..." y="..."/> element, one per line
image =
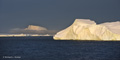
<point x="113" y="26"/>
<point x="32" y="29"/>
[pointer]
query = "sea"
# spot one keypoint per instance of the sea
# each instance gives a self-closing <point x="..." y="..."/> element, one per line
<point x="46" y="48"/>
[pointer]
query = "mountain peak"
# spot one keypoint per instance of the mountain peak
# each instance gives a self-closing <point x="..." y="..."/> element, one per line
<point x="34" y="27"/>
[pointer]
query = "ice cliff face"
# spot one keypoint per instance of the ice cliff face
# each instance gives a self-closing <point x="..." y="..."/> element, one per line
<point x="85" y="29"/>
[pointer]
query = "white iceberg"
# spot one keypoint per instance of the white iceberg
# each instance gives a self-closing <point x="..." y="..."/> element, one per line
<point x="85" y="29"/>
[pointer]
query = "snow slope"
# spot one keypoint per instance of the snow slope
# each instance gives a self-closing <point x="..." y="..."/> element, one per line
<point x="85" y="29"/>
<point x="33" y="27"/>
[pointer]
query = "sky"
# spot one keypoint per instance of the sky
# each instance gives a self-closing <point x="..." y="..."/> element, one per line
<point x="55" y="14"/>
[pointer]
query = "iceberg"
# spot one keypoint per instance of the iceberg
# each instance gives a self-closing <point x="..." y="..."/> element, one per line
<point x="85" y="29"/>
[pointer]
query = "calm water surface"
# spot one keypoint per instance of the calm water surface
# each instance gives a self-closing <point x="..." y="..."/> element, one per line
<point x="45" y="48"/>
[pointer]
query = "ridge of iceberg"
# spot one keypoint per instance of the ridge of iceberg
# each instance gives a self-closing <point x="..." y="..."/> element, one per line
<point x="85" y="29"/>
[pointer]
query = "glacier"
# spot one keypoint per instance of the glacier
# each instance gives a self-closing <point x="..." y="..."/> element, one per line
<point x="86" y="29"/>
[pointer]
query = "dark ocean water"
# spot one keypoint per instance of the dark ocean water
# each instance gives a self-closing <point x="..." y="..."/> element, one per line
<point x="45" y="48"/>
